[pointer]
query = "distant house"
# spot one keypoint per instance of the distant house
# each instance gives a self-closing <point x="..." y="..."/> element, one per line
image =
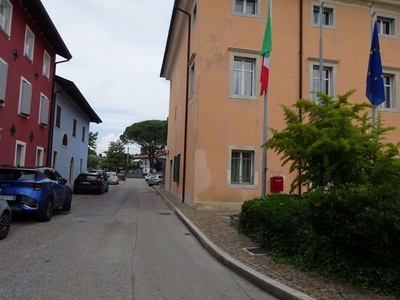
<point x="70" y="131"/>
<point x="143" y="162"/>
<point x="29" y="43"/>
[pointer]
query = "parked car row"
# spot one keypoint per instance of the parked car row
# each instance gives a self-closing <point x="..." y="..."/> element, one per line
<point x="38" y="191"/>
<point x="41" y="190"/>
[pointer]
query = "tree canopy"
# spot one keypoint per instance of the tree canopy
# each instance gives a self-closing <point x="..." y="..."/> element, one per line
<point x="333" y="142"/>
<point x="150" y="136"/>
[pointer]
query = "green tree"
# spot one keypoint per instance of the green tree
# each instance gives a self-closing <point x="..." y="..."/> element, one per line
<point x="93" y="160"/>
<point x="150" y="136"/>
<point x="332" y="142"/>
<point x="115" y="157"/>
<point x="92" y="143"/>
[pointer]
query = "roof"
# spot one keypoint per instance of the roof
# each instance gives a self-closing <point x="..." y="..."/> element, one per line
<point x="169" y="39"/>
<point x="70" y="88"/>
<point x="41" y="18"/>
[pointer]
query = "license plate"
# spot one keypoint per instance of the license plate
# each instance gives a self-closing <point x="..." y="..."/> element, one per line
<point x="9" y="197"/>
<point x="85" y="182"/>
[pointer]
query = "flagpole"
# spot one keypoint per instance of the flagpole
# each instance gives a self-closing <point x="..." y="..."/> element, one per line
<point x="265" y="130"/>
<point x="321" y="58"/>
<point x="371" y="7"/>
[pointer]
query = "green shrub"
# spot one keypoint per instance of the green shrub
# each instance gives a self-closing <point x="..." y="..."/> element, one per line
<point x="274" y="222"/>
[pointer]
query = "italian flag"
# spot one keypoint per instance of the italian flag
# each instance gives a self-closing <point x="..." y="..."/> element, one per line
<point x="265" y="52"/>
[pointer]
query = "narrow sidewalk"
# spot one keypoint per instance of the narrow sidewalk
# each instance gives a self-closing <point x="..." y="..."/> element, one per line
<point x="214" y="231"/>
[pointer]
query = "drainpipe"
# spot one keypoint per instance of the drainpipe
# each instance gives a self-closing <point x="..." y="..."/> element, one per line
<point x="186" y="105"/>
<point x="53" y="108"/>
<point x="301" y="71"/>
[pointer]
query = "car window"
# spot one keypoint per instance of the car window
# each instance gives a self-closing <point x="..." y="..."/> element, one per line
<point x="49" y="174"/>
<point x="9" y="174"/>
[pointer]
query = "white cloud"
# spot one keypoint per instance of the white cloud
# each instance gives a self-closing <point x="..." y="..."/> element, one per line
<point x="117" y="55"/>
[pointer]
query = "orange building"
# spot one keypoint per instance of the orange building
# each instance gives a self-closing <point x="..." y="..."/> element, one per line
<point x="216" y="114"/>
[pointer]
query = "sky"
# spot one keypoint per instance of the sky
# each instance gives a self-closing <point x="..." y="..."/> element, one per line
<point x="117" y="51"/>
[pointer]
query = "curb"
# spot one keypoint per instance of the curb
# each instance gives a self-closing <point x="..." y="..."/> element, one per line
<point x="265" y="283"/>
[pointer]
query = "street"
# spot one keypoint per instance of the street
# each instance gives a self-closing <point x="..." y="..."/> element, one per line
<point x="123" y="244"/>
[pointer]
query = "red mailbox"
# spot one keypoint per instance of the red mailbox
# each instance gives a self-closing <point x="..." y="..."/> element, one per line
<point x="276" y="183"/>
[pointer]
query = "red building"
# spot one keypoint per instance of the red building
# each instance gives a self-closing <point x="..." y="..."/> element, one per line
<point x="29" y="44"/>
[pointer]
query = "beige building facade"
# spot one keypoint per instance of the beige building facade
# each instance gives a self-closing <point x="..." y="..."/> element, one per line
<point x="216" y="114"/>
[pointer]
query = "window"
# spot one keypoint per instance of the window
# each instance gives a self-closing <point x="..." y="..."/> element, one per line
<point x="389" y="81"/>
<point x="387" y="25"/>
<point x="29" y="43"/>
<point x="65" y="140"/>
<point x="242" y="167"/>
<point x="44" y="110"/>
<point x="25" y="98"/>
<point x="39" y="156"/>
<point x="247" y="7"/>
<point x="46" y="65"/>
<point x="3" y="80"/>
<point x="191" y="82"/>
<point x="83" y="133"/>
<point x="58" y="116"/>
<point x="244" y="74"/>
<point x="74" y="128"/>
<point x="177" y="163"/>
<point x="328" y="15"/>
<point x="5" y="16"/>
<point x="55" y="159"/>
<point x="20" y="150"/>
<point x="194" y="15"/>
<point x="328" y="80"/>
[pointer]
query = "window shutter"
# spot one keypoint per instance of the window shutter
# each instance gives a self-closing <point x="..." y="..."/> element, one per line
<point x="44" y="111"/>
<point x="26" y="98"/>
<point x="3" y="80"/>
<point x="177" y="159"/>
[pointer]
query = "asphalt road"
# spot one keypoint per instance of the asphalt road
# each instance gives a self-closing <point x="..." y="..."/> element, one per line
<point x="124" y="244"/>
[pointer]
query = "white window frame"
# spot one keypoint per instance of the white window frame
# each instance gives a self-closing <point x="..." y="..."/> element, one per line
<point x="257" y="13"/>
<point x="44" y="110"/>
<point x="254" y="150"/>
<point x="29" y="44"/>
<point x="331" y="66"/>
<point x="46" y="64"/>
<point x="6" y="10"/>
<point x="25" y="98"/>
<point x="22" y="155"/>
<point x="245" y="55"/>
<point x="3" y="81"/>
<point x="393" y="77"/>
<point x="331" y="9"/>
<point x="39" y="156"/>
<point x="393" y="25"/>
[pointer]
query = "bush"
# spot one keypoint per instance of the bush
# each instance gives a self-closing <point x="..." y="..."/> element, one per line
<point x="349" y="233"/>
<point x="274" y="222"/>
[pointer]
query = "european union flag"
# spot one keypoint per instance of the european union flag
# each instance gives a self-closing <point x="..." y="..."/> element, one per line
<point x="375" y="89"/>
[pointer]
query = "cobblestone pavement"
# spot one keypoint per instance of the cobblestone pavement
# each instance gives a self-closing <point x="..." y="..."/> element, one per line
<point x="216" y="226"/>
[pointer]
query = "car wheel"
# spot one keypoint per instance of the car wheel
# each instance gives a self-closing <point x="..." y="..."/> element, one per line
<point x="47" y="212"/>
<point x="67" y="204"/>
<point x="5" y="223"/>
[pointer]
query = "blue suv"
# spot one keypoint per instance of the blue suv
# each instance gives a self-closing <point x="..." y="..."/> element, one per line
<point x="37" y="190"/>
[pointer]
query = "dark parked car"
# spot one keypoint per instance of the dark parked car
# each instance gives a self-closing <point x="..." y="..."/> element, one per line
<point x="5" y="218"/>
<point x="35" y="190"/>
<point x="92" y="182"/>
